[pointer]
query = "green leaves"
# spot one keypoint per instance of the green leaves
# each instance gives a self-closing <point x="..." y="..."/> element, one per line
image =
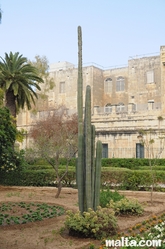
<point x="30" y="212"/>
<point x="107" y="195"/>
<point x="7" y="129"/>
<point x="42" y="66"/>
<point x="18" y="79"/>
<point x="92" y="224"/>
<point x="9" y="159"/>
<point x="126" y="206"/>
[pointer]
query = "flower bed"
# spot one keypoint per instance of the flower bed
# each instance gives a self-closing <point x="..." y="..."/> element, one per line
<point x="148" y="230"/>
<point x="21" y="212"/>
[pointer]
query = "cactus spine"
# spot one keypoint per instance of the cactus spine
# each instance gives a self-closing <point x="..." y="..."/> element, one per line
<point x="88" y="168"/>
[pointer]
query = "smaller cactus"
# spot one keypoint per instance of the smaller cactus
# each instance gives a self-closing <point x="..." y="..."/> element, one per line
<point x="97" y="174"/>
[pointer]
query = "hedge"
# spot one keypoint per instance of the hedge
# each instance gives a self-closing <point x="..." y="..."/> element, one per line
<point x="38" y="178"/>
<point x="131" y="163"/>
<point x="45" y="167"/>
<point x="154" y="167"/>
<point x="11" y="178"/>
<point x="62" y="161"/>
<point x="118" y="179"/>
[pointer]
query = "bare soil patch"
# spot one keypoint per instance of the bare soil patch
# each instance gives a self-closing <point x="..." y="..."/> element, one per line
<point x="46" y="234"/>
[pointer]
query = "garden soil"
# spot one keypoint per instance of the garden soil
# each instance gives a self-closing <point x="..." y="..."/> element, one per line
<point x="47" y="234"/>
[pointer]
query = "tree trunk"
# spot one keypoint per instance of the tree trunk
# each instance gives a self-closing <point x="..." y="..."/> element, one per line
<point x="10" y="104"/>
<point x="58" y="189"/>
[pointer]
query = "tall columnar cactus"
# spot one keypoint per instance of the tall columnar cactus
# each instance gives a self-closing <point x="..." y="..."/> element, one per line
<point x="88" y="168"/>
<point x="80" y="161"/>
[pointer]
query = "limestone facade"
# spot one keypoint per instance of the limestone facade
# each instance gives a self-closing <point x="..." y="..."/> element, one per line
<point x="124" y="101"/>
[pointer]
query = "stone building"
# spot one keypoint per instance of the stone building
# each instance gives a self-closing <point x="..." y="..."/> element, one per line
<point x="125" y="101"/>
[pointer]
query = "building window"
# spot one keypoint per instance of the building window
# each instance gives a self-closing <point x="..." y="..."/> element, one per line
<point x="108" y="85"/>
<point x="120" y="84"/>
<point x="120" y="107"/>
<point x="105" y="151"/>
<point x="108" y="108"/>
<point x="139" y="150"/>
<point x="133" y="107"/>
<point x="150" y="77"/>
<point x="151" y="104"/>
<point x="62" y="87"/>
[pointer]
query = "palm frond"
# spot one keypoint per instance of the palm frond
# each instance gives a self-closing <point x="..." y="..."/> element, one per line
<point x="20" y="78"/>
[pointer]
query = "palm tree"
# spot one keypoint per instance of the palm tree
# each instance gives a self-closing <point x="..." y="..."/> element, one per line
<point x="19" y="80"/>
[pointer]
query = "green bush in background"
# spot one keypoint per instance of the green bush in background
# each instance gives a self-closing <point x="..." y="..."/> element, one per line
<point x="107" y="195"/>
<point x="41" y="174"/>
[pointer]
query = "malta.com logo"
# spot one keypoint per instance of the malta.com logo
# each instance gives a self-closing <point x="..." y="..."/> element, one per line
<point x="126" y="242"/>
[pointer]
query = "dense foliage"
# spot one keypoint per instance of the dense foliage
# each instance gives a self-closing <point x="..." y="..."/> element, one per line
<point x="126" y="207"/>
<point x="92" y="224"/>
<point x="40" y="173"/>
<point x="107" y="195"/>
<point x="9" y="159"/>
<point x="19" y="81"/>
<point x="131" y="163"/>
<point x="11" y="162"/>
<point x="43" y="175"/>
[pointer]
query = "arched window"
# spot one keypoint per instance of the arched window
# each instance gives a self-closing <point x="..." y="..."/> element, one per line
<point x="108" y="85"/>
<point x="120" y="84"/>
<point x="108" y="108"/>
<point x="120" y="107"/>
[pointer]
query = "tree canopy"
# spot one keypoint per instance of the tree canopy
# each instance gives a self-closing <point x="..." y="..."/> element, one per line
<point x="19" y="81"/>
<point x="55" y="137"/>
<point x="8" y="132"/>
<point x="42" y="64"/>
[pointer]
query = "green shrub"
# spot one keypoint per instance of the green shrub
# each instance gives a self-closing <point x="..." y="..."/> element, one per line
<point x="107" y="195"/>
<point x="153" y="167"/>
<point x="47" y="166"/>
<point x="62" y="161"/>
<point x="92" y="224"/>
<point x="137" y="179"/>
<point x="126" y="207"/>
<point x="131" y="163"/>
<point x="39" y="167"/>
<point x="113" y="168"/>
<point x="131" y="179"/>
<point x="72" y="161"/>
<point x="114" y="177"/>
<point x="46" y="177"/>
<point x="14" y="175"/>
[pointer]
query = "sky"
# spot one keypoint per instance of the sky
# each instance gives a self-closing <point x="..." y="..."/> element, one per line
<point x="113" y="31"/>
